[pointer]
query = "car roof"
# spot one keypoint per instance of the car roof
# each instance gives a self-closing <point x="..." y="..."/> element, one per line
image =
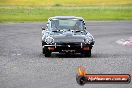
<point x="66" y="17"/>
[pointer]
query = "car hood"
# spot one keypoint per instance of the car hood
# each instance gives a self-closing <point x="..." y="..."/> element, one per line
<point x="68" y="36"/>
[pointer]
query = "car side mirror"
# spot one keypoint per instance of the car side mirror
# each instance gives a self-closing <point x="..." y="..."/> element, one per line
<point x="42" y="28"/>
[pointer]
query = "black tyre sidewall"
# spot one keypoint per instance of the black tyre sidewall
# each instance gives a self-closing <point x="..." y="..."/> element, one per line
<point x="88" y="54"/>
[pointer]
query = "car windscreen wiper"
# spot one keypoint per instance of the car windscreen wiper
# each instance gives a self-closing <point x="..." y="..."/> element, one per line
<point x="77" y="31"/>
<point x="55" y="30"/>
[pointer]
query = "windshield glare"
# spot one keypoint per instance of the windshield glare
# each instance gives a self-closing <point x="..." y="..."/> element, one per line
<point x="69" y="24"/>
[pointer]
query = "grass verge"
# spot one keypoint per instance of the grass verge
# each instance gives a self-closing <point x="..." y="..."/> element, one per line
<point x="31" y="14"/>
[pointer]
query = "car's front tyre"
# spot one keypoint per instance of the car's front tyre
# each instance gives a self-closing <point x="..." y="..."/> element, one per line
<point x="88" y="53"/>
<point x="43" y="50"/>
<point x="46" y="52"/>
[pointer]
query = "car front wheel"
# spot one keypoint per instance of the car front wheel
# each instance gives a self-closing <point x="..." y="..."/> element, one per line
<point x="88" y="53"/>
<point x="46" y="52"/>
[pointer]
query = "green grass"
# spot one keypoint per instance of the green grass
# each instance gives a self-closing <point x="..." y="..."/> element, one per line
<point x="28" y="13"/>
<point x="41" y="10"/>
<point x="64" y="2"/>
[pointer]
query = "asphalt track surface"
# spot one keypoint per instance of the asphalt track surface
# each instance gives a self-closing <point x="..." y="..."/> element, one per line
<point x="22" y="64"/>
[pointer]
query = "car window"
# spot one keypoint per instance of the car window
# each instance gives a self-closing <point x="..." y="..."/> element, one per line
<point x="67" y="24"/>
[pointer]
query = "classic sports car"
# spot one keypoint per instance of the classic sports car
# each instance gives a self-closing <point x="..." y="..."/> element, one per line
<point x="66" y="34"/>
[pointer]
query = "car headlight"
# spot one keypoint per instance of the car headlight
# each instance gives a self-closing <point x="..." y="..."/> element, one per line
<point x="49" y="40"/>
<point x="88" y="40"/>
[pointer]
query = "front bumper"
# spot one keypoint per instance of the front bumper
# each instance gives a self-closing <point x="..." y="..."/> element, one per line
<point x="68" y="47"/>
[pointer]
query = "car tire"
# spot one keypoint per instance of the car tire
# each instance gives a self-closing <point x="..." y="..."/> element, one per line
<point x="43" y="50"/>
<point x="88" y="53"/>
<point x="47" y="53"/>
<point x="81" y="80"/>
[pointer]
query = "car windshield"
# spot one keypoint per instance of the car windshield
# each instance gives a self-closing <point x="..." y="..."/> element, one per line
<point x="67" y="24"/>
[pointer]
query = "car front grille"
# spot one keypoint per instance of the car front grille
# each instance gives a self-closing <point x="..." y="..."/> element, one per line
<point x="71" y="44"/>
<point x="69" y="39"/>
